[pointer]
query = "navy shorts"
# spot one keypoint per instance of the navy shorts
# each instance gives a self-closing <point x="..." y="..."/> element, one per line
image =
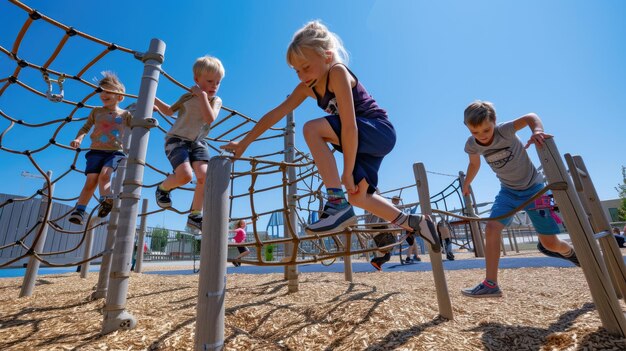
<point x="97" y="159"/>
<point x="179" y="151"/>
<point x="376" y="139"/>
<point x="242" y="249"/>
<point x="508" y="199"/>
<point x="409" y="240"/>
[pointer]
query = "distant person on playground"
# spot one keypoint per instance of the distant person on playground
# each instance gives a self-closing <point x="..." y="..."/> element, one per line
<point x="108" y="122"/>
<point x="621" y="239"/>
<point x="355" y="126"/>
<point x="240" y="237"/>
<point x="506" y="155"/>
<point x="185" y="146"/>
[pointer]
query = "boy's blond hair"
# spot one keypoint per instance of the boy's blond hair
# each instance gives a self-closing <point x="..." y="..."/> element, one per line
<point x="208" y="64"/>
<point x="111" y="82"/>
<point x="479" y="111"/>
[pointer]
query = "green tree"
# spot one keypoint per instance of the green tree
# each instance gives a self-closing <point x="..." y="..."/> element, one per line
<point x="621" y="189"/>
<point x="159" y="239"/>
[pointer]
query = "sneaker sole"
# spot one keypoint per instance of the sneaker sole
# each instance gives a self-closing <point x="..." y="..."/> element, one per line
<point x="339" y="228"/>
<point x="162" y="205"/>
<point x="74" y="221"/>
<point x="482" y="296"/>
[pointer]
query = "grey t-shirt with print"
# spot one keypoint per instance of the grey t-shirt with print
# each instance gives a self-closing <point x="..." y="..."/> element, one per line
<point x="507" y="158"/>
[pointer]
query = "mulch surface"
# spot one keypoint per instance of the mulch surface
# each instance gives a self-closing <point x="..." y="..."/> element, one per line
<point x="542" y="309"/>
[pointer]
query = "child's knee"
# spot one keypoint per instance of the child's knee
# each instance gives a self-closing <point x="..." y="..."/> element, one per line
<point x="200" y="178"/>
<point x="104" y="178"/>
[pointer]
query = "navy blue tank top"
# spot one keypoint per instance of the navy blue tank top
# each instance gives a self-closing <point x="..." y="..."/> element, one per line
<point x="364" y="103"/>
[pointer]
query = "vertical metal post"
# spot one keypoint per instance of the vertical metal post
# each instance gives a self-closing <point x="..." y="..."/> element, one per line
<point x="477" y="237"/>
<point x="213" y="256"/>
<point x="115" y="314"/>
<point x="28" y="284"/>
<point x="583" y="239"/>
<point x="291" y="271"/>
<point x="141" y="238"/>
<point x="443" y="296"/>
<point x="84" y="268"/>
<point x="116" y="186"/>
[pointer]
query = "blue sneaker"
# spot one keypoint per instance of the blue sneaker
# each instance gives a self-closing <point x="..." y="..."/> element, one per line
<point x="572" y="258"/>
<point x="482" y="290"/>
<point x="332" y="220"/>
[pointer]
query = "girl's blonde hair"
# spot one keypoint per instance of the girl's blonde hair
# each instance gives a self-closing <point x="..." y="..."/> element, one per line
<point x="239" y="223"/>
<point x="315" y="36"/>
<point x="111" y="80"/>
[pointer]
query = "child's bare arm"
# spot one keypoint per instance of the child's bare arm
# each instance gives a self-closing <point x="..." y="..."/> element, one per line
<point x="78" y="140"/>
<point x="91" y="119"/>
<point x="472" y="170"/>
<point x="534" y="123"/>
<point x="163" y="107"/>
<point x="209" y="113"/>
<point x="268" y="120"/>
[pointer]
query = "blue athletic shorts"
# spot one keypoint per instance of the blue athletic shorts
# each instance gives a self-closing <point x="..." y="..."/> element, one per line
<point x="179" y="151"/>
<point x="97" y="159"/>
<point x="376" y="139"/>
<point x="508" y="199"/>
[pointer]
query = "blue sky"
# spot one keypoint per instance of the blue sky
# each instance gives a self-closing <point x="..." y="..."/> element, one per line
<point x="423" y="61"/>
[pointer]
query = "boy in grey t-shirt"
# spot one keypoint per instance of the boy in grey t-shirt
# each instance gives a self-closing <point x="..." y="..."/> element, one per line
<point x="506" y="155"/>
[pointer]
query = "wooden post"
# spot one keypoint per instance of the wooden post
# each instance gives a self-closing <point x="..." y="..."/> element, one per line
<point x="443" y="296"/>
<point x="213" y="255"/>
<point x="583" y="239"/>
<point x="589" y="198"/>
<point x="477" y="237"/>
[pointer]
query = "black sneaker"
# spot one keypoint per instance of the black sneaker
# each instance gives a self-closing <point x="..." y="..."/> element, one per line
<point x="450" y="256"/>
<point x="416" y="259"/>
<point x="105" y="208"/>
<point x="163" y="198"/>
<point x="572" y="258"/>
<point x="195" y="222"/>
<point x="77" y="217"/>
<point x="424" y="227"/>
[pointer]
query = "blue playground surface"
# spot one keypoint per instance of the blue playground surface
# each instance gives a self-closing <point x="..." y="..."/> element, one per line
<point x="337" y="267"/>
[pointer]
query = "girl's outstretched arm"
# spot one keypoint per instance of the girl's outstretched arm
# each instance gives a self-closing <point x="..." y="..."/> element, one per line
<point x="341" y="84"/>
<point x="268" y="120"/>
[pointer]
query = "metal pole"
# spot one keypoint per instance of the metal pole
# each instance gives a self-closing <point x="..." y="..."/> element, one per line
<point x="116" y="186"/>
<point x="477" y="237"/>
<point x="583" y="239"/>
<point x="115" y="314"/>
<point x="28" y="284"/>
<point x="213" y="256"/>
<point x="291" y="271"/>
<point x="443" y="296"/>
<point x="84" y="268"/>
<point x="141" y="239"/>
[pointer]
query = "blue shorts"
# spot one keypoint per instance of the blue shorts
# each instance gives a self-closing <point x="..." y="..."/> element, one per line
<point x="376" y="139"/>
<point x="508" y="199"/>
<point x="179" y="151"/>
<point x="97" y="159"/>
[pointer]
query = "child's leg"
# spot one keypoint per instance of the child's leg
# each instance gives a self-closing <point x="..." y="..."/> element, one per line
<point x="199" y="168"/>
<point x="317" y="134"/>
<point x="104" y="181"/>
<point x="181" y="176"/>
<point x="90" y="187"/>
<point x="493" y="231"/>
<point x="554" y="244"/>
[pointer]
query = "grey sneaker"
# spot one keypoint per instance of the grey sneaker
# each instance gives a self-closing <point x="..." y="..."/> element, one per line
<point x="424" y="227"/>
<point x="572" y="258"/>
<point x="163" y="198"/>
<point x="481" y="290"/>
<point x="332" y="220"/>
<point x="195" y="222"/>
